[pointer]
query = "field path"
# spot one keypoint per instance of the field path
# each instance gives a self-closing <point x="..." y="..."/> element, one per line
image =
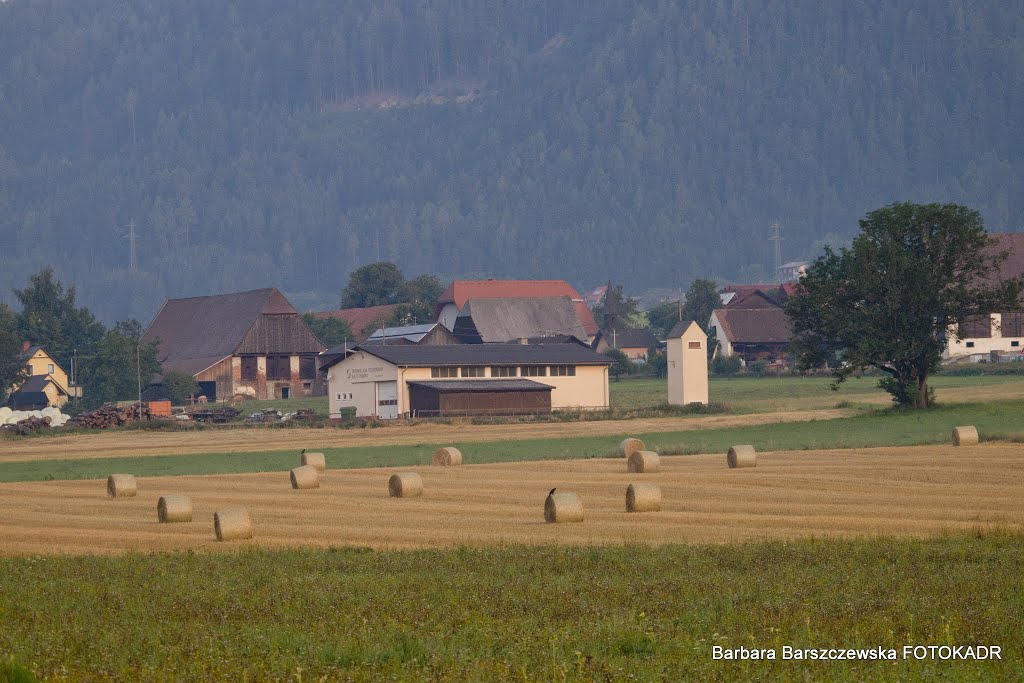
<point x="232" y="440"/>
<point x="915" y="491"/>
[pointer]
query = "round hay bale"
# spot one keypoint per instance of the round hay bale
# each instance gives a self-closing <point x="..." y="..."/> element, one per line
<point x="629" y="446"/>
<point x="448" y="456"/>
<point x="563" y="507"/>
<point x="232" y="524"/>
<point x="305" y="477"/>
<point x="965" y="436"/>
<point x="174" y="508"/>
<point x="643" y="498"/>
<point x="405" y="485"/>
<point x="742" y="456"/>
<point x="643" y="462"/>
<point x="316" y="460"/>
<point x="121" y="486"/>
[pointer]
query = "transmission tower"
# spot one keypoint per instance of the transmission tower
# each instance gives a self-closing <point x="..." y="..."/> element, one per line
<point x="133" y="263"/>
<point x="776" y="237"/>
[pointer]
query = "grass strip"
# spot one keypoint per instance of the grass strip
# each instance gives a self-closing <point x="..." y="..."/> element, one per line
<point x="515" y="613"/>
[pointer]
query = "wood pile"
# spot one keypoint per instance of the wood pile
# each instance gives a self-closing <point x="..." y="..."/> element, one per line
<point x="29" y="425"/>
<point x="110" y="415"/>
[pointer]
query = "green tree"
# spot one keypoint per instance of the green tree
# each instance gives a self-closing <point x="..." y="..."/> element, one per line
<point x="330" y="331"/>
<point x="621" y="364"/>
<point x="112" y="371"/>
<point x="50" y="319"/>
<point x="179" y="386"/>
<point x="418" y="300"/>
<point x="663" y="317"/>
<point x="373" y="285"/>
<point x="913" y="274"/>
<point x="616" y="309"/>
<point x="702" y="299"/>
<point x="12" y="367"/>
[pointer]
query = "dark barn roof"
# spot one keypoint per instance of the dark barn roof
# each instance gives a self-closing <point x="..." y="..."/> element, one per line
<point x="461" y="291"/>
<point x="754" y="325"/>
<point x="500" y="320"/>
<point x="31" y="395"/>
<point x="481" y="385"/>
<point x="198" y="332"/>
<point x="475" y="354"/>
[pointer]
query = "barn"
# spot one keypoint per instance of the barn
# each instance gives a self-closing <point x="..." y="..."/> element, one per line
<point x="388" y="382"/>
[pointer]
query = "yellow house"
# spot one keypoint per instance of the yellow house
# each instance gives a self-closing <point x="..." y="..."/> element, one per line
<point x="46" y="382"/>
<point x="687" y="355"/>
<point x="388" y="382"/>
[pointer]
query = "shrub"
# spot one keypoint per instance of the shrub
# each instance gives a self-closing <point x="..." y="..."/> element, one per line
<point x="725" y="365"/>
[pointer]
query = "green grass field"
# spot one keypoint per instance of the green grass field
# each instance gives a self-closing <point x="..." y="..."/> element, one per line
<point x="879" y="428"/>
<point x="546" y="614"/>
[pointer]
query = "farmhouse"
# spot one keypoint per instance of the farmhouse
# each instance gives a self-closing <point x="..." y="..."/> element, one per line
<point x="632" y="341"/>
<point x="252" y="344"/>
<point x="469" y="379"/>
<point x="509" y="320"/>
<point x="453" y="299"/>
<point x="752" y="325"/>
<point x="1000" y="332"/>
<point x="430" y="334"/>
<point x="47" y="383"/>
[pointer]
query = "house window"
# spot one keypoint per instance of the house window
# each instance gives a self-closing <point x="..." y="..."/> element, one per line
<point x="970" y="345"/>
<point x="279" y="367"/>
<point x="444" y="372"/>
<point x="472" y="372"/>
<point x="503" y="371"/>
<point x="307" y="367"/>
<point x="1015" y="343"/>
<point x="533" y="371"/>
<point x="563" y="370"/>
<point x="49" y="368"/>
<point x="249" y="367"/>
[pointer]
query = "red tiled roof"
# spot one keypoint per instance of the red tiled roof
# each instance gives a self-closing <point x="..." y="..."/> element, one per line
<point x="461" y="291"/>
<point x="359" y="318"/>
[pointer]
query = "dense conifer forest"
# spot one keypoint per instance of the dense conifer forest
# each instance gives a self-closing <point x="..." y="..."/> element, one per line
<point x="262" y="143"/>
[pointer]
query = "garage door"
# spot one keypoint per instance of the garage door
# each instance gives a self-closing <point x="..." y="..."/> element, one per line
<point x="387" y="400"/>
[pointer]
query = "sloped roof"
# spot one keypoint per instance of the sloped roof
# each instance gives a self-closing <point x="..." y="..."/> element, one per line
<point x="753" y="299"/>
<point x="413" y="333"/>
<point x="198" y="332"/>
<point x="1012" y="242"/>
<point x="475" y="354"/>
<point x="461" y="291"/>
<point x="359" y="318"/>
<point x="754" y="325"/>
<point x="481" y="385"/>
<point x="679" y="328"/>
<point x="37" y="383"/>
<point x="25" y="355"/>
<point x="497" y="320"/>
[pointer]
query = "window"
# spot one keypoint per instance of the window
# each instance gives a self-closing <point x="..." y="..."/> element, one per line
<point x="279" y="367"/>
<point x="249" y="367"/>
<point x="970" y="345"/>
<point x="444" y="372"/>
<point x="49" y="368"/>
<point x="694" y="345"/>
<point x="307" y="367"/>
<point x="503" y="371"/>
<point x="472" y="372"/>
<point x="563" y="370"/>
<point x="1015" y="343"/>
<point x="533" y="371"/>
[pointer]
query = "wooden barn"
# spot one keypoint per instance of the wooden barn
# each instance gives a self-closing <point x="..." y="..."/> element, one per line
<point x="249" y="344"/>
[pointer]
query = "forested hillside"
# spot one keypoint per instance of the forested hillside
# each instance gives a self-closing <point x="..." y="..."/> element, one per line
<point x="263" y="143"/>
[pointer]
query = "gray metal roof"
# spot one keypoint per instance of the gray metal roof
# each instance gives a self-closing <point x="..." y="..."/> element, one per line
<point x="481" y="385"/>
<point x="475" y="354"/>
<point x="413" y="333"/>
<point x="501" y="320"/>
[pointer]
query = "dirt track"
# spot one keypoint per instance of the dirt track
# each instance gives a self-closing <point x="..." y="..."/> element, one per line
<point x="892" y="491"/>
<point x="122" y="443"/>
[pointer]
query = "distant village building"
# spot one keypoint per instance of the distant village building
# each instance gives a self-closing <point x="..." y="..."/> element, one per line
<point x="453" y="299"/>
<point x="429" y="334"/>
<point x="792" y="271"/>
<point x="503" y="320"/>
<point x="466" y="379"/>
<point x="753" y="325"/>
<point x="632" y="341"/>
<point x="1000" y="334"/>
<point x="362" y="321"/>
<point x="687" y="359"/>
<point x="46" y="383"/>
<point x="249" y="344"/>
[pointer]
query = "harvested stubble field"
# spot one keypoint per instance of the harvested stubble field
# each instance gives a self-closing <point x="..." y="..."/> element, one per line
<point x="916" y="491"/>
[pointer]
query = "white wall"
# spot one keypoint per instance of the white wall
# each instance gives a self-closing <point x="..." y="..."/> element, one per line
<point x="353" y="382"/>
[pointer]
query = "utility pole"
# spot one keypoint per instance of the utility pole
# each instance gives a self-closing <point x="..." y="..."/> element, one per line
<point x="138" y="373"/>
<point x="133" y="263"/>
<point x="776" y="237"/>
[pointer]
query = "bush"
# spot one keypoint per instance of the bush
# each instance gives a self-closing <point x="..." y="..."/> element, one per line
<point x="757" y="368"/>
<point x="725" y="365"/>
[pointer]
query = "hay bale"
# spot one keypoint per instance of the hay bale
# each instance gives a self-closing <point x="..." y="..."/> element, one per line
<point x="629" y="446"/>
<point x="447" y="457"/>
<point x="232" y="524"/>
<point x="643" y="462"/>
<point x="742" y="456"/>
<point x="643" y="498"/>
<point x="563" y="507"/>
<point x="316" y="460"/>
<point x="121" y="486"/>
<point x="405" y="485"/>
<point x="965" y="436"/>
<point x="174" y="508"/>
<point x="305" y="477"/>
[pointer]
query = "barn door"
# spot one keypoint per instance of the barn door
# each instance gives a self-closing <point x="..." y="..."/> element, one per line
<point x="387" y="400"/>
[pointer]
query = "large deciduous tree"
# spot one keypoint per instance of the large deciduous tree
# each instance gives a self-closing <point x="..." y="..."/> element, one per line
<point x="50" y="319"/>
<point x="112" y="372"/>
<point x="910" y="278"/>
<point x="702" y="298"/>
<point x="12" y="367"/>
<point x="330" y="331"/>
<point x="373" y="285"/>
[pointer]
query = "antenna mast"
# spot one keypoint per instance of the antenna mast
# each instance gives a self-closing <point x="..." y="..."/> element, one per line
<point x="133" y="263"/>
<point x="776" y="237"/>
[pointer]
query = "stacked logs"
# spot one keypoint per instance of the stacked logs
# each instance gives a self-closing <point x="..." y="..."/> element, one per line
<point x="110" y="415"/>
<point x="29" y="425"/>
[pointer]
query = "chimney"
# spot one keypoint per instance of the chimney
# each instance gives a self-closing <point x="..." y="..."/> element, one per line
<point x="25" y="346"/>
